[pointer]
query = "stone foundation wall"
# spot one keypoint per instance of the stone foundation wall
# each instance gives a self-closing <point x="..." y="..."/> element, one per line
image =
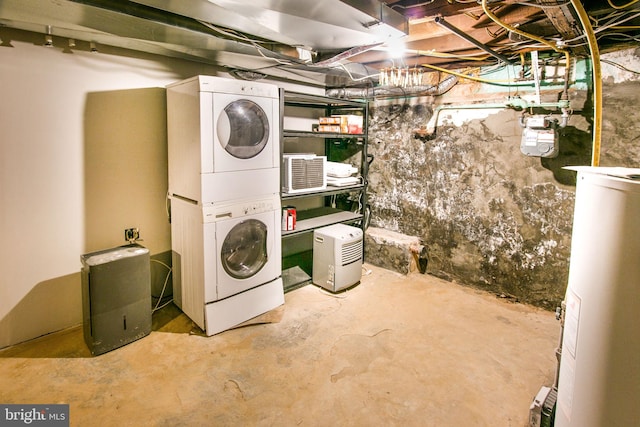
<point x="392" y="250"/>
<point x="488" y="215"/>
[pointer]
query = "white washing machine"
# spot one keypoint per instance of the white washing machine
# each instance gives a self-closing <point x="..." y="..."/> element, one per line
<point x="224" y="139"/>
<point x="226" y="260"/>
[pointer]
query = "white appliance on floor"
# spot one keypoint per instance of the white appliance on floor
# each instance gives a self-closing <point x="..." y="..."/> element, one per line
<point x="599" y="376"/>
<point x="224" y="139"/>
<point x="337" y="256"/>
<point x="227" y="260"/>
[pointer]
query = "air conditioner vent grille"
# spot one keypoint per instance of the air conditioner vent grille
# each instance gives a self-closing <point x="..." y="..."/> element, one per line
<point x="307" y="173"/>
<point x="304" y="172"/>
<point x="351" y="252"/>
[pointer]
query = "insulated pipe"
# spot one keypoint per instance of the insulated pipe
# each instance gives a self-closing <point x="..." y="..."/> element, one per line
<point x="458" y="32"/>
<point x="515" y="103"/>
<point x="536" y="73"/>
<point x="372" y="92"/>
<point x="433" y="122"/>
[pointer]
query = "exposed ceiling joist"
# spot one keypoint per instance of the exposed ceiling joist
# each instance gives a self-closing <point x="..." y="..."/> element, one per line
<point x="337" y="42"/>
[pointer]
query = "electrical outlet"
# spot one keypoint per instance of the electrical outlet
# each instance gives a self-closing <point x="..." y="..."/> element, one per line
<point x="131" y="234"/>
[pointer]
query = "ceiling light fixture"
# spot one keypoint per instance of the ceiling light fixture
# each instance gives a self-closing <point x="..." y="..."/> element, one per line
<point x="48" y="39"/>
<point x="395" y="48"/>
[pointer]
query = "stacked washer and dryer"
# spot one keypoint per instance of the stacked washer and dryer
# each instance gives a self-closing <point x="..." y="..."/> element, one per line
<point x="224" y="183"/>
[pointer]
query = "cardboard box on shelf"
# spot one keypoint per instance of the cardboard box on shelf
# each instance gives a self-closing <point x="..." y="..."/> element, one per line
<point x="333" y="120"/>
<point x="347" y="123"/>
<point x="329" y="128"/>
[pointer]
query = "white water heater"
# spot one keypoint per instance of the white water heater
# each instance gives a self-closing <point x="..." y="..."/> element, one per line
<point x="337" y="256"/>
<point x="599" y="377"/>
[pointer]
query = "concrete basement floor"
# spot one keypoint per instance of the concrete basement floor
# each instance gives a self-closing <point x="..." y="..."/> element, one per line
<point x="393" y="351"/>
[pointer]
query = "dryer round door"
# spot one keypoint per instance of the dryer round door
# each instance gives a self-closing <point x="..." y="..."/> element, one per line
<point x="244" y="249"/>
<point x="243" y="129"/>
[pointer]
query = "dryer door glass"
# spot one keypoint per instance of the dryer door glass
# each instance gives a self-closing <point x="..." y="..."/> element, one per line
<point x="244" y="250"/>
<point x="243" y="129"/>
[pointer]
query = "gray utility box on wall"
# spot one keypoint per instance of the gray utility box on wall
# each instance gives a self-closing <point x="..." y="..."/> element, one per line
<point x="116" y="297"/>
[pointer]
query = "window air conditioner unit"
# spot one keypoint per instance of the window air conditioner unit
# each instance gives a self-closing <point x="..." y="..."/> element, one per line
<point x="304" y="172"/>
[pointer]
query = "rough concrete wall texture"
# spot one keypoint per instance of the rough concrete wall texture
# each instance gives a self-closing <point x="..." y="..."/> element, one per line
<point x="391" y="250"/>
<point x="490" y="216"/>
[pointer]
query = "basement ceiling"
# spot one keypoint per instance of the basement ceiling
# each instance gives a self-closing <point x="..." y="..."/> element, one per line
<point x="458" y="33"/>
<point x="332" y="42"/>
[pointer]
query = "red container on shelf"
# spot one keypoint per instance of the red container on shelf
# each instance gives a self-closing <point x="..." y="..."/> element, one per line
<point x="288" y="218"/>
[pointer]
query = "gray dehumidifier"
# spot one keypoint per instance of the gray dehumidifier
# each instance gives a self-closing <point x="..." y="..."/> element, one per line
<point x="337" y="256"/>
<point x="116" y="297"/>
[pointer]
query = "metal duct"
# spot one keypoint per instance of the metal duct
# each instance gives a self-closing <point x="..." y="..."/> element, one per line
<point x="392" y="91"/>
<point x="260" y="36"/>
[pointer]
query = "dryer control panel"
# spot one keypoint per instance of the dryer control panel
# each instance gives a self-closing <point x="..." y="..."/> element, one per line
<point x="240" y="208"/>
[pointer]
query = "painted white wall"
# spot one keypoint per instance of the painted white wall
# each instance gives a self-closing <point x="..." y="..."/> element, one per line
<point x="65" y="121"/>
<point x="83" y="155"/>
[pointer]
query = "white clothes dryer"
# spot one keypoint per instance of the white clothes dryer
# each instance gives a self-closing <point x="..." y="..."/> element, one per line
<point x="226" y="260"/>
<point x="224" y="139"/>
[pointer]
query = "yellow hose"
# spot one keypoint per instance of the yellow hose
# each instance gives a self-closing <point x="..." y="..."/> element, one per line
<point x="464" y="76"/>
<point x="595" y="59"/>
<point x="446" y="55"/>
<point x="620" y="7"/>
<point x="513" y="29"/>
<point x="597" y="81"/>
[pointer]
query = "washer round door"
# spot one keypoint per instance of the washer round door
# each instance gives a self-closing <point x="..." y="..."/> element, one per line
<point x="243" y="129"/>
<point x="244" y="249"/>
<point x="247" y="252"/>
